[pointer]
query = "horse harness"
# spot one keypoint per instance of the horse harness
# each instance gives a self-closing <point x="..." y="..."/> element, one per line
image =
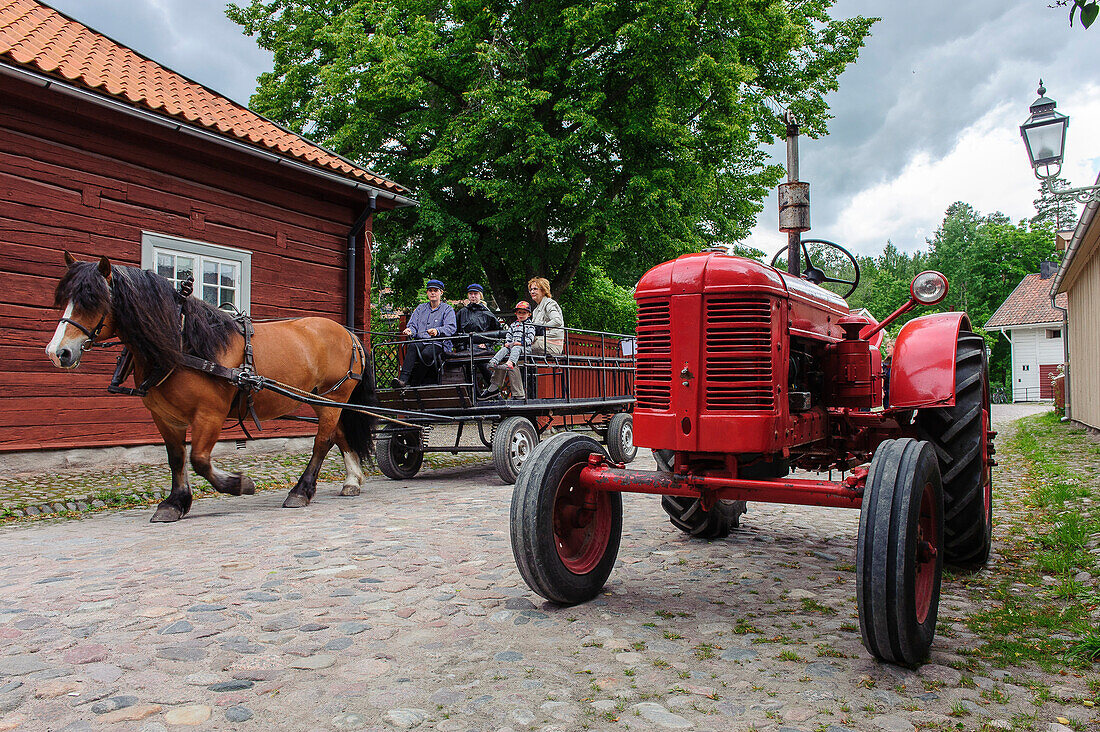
<point x="244" y="377"/>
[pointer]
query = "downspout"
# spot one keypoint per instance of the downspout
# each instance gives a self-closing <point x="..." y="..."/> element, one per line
<point x="352" y="261"/>
<point x="1065" y="355"/>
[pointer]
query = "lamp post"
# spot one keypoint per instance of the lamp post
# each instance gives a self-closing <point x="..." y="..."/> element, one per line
<point x="1044" y="134"/>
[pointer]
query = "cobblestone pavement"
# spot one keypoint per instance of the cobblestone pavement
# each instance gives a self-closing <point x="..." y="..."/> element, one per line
<point x="402" y="608"/>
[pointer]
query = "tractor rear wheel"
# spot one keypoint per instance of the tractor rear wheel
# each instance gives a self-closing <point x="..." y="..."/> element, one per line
<point x="564" y="537"/>
<point x="399" y="453"/>
<point x="687" y="514"/>
<point x="899" y="554"/>
<point x="665" y="460"/>
<point x="960" y="435"/>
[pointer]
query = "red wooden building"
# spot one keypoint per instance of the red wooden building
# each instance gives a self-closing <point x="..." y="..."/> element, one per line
<point x="103" y="151"/>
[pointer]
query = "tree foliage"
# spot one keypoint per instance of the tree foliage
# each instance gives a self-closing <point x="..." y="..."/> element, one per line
<point x="984" y="259"/>
<point x="555" y="138"/>
<point x="1056" y="213"/>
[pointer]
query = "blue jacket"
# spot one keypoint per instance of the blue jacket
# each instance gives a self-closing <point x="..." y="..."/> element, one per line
<point x="442" y="319"/>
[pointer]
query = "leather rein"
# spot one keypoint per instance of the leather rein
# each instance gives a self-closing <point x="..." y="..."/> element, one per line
<point x="244" y="377"/>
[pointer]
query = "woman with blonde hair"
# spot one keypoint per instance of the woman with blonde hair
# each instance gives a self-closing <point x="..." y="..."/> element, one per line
<point x="548" y="314"/>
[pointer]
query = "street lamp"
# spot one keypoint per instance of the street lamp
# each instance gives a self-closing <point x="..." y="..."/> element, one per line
<point x="1044" y="134"/>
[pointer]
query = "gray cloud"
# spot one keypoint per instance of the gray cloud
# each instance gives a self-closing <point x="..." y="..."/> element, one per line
<point x="191" y="37"/>
<point x="930" y="70"/>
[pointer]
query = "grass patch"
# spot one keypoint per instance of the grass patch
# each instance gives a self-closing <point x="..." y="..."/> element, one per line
<point x="1038" y="605"/>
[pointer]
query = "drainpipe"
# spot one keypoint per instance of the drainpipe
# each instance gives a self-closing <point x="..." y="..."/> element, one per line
<point x="352" y="237"/>
<point x="1065" y="354"/>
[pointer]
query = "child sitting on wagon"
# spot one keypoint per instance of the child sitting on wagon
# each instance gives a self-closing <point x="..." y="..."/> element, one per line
<point x="518" y="339"/>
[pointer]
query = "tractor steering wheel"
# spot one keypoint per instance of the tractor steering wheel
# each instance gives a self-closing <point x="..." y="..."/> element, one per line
<point x="817" y="275"/>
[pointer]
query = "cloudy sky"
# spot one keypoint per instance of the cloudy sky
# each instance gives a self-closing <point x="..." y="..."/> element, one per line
<point x="929" y="115"/>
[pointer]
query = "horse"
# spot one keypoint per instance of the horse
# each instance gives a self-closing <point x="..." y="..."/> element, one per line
<point x="143" y="311"/>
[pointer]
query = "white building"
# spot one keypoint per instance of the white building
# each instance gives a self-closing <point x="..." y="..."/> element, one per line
<point x="1034" y="327"/>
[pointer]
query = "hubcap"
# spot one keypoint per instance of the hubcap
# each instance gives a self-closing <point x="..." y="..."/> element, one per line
<point x="628" y="437"/>
<point x="926" y="550"/>
<point x="520" y="448"/>
<point x="582" y="523"/>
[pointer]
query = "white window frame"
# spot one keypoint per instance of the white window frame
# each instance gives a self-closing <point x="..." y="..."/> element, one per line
<point x="150" y="242"/>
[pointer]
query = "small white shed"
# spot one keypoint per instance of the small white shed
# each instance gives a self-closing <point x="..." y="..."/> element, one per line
<point x="1034" y="327"/>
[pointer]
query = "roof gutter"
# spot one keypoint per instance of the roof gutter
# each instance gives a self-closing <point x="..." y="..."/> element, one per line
<point x="352" y="263"/>
<point x="48" y="82"/>
<point x="1078" y="236"/>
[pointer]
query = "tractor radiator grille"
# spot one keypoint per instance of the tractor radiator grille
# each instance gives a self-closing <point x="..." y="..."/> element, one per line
<point x="653" y="372"/>
<point x="738" y="355"/>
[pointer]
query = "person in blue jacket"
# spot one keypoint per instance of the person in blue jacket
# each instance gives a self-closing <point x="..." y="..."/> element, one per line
<point x="430" y="320"/>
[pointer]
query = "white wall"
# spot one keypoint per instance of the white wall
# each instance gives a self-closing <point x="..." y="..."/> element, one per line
<point x="1030" y="349"/>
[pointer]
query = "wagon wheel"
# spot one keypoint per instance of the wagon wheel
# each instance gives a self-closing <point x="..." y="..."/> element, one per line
<point x="514" y="439"/>
<point x="399" y="453"/>
<point x="899" y="555"/>
<point x="620" y="438"/>
<point x="564" y="538"/>
<point x="961" y="437"/>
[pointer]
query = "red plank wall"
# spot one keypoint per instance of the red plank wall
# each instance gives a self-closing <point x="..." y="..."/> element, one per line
<point x="75" y="176"/>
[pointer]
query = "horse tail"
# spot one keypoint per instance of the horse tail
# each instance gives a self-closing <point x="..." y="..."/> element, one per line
<point x="359" y="427"/>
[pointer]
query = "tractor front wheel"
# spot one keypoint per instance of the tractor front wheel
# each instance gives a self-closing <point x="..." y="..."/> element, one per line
<point x="960" y="435"/>
<point x="899" y="554"/>
<point x="565" y="537"/>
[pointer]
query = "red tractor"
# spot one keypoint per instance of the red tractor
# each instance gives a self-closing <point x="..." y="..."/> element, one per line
<point x="746" y="373"/>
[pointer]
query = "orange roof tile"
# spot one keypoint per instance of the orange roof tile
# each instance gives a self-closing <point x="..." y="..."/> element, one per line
<point x="37" y="36"/>
<point x="1028" y="303"/>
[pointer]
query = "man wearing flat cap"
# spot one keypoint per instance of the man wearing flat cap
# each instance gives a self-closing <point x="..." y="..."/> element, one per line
<point x="430" y="320"/>
<point x="478" y="320"/>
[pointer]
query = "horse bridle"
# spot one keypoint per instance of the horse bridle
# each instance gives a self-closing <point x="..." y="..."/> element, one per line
<point x="92" y="334"/>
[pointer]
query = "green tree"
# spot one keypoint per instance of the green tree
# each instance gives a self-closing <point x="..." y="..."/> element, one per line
<point x="1054" y="213"/>
<point x="543" y="137"/>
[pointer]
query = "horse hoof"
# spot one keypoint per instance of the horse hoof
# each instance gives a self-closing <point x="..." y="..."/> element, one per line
<point x="349" y="490"/>
<point x="247" y="486"/>
<point x="295" y="500"/>
<point x="166" y="515"/>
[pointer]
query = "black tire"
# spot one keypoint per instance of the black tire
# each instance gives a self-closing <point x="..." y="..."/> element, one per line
<point x="687" y="515"/>
<point x="564" y="552"/>
<point x="665" y="460"/>
<point x="399" y="453"/>
<point x="620" y="438"/>
<point x="899" y="554"/>
<point x="514" y="440"/>
<point x="960" y="437"/>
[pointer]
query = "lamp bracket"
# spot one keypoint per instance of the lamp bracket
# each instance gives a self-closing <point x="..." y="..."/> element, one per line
<point x="1085" y="194"/>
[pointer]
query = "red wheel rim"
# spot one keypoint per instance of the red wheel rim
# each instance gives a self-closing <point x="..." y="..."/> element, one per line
<point x="582" y="523"/>
<point x="927" y="549"/>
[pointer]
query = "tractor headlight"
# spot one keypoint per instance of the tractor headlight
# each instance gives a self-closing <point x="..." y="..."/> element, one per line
<point x="928" y="288"/>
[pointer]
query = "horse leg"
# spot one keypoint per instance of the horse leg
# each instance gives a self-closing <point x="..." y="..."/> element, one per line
<point x="353" y="465"/>
<point x="204" y="435"/>
<point x="178" y="502"/>
<point x="302" y="493"/>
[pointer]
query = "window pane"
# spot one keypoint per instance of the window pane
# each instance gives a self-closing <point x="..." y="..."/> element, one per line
<point x="229" y="275"/>
<point x="210" y="295"/>
<point x="166" y="266"/>
<point x="228" y="295"/>
<point x="185" y="267"/>
<point x="209" y="273"/>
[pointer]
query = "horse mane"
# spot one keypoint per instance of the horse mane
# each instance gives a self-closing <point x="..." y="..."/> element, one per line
<point x="146" y="313"/>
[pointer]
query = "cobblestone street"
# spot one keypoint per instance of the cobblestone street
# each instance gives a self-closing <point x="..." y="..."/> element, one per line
<point x="402" y="608"/>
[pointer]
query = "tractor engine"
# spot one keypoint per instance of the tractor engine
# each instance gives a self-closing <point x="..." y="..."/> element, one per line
<point x="736" y="358"/>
